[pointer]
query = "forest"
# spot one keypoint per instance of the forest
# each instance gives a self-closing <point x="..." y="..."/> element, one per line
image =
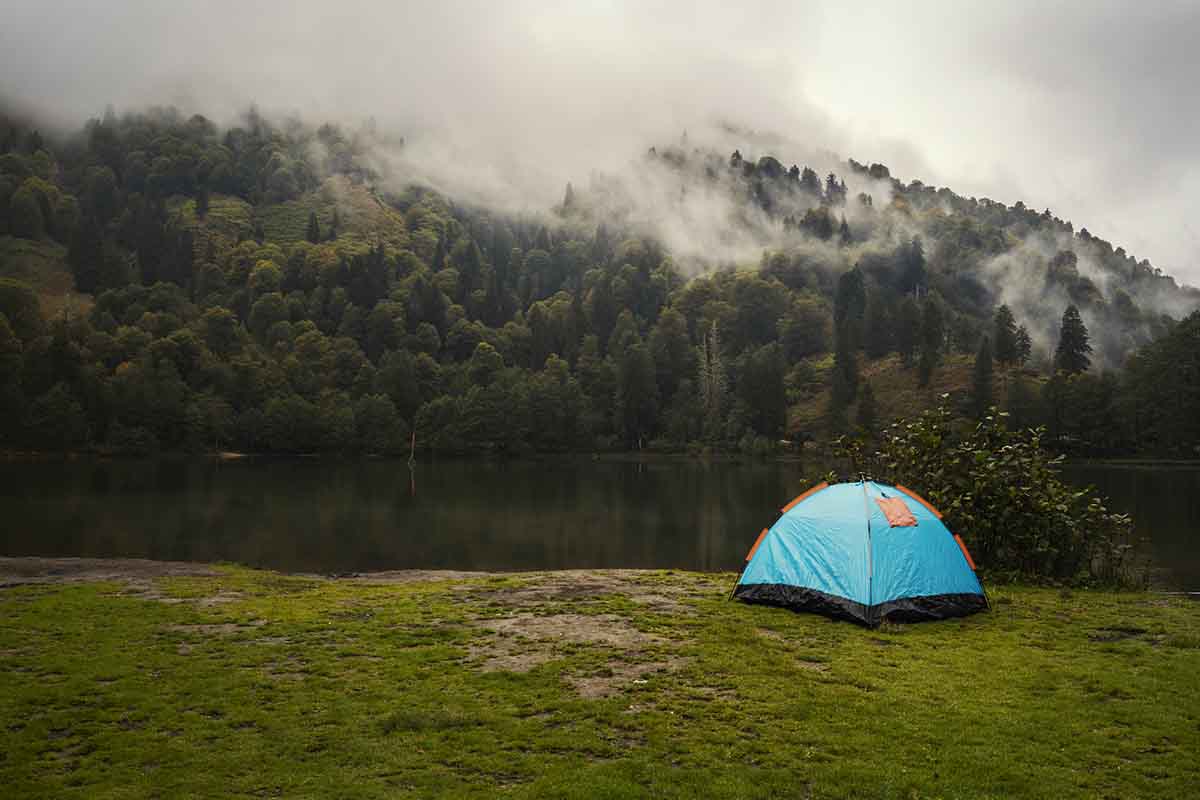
<point x="167" y="284"/>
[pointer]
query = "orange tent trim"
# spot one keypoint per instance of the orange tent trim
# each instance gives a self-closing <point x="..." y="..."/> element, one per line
<point x="757" y="541"/>
<point x="962" y="545"/>
<point x="919" y="499"/>
<point x="800" y="497"/>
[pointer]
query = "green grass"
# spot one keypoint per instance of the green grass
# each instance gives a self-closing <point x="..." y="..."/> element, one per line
<point x="896" y="388"/>
<point x="364" y="219"/>
<point x="584" y="685"/>
<point x="43" y="265"/>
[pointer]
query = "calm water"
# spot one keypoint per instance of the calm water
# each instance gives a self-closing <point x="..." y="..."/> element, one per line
<point x="334" y="517"/>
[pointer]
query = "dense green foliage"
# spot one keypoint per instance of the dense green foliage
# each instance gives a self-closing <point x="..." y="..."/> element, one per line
<point x="999" y="490"/>
<point x="266" y="288"/>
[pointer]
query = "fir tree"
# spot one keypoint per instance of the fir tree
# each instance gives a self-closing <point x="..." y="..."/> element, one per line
<point x="908" y="330"/>
<point x="933" y="334"/>
<point x="86" y="254"/>
<point x="335" y="226"/>
<point x="877" y="329"/>
<point x="1072" y="357"/>
<point x="982" y="396"/>
<point x="912" y="265"/>
<point x="1024" y="346"/>
<point x="313" y="234"/>
<point x="1004" y="330"/>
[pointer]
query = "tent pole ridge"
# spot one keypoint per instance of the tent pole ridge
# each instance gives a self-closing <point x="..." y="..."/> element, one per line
<point x="870" y="555"/>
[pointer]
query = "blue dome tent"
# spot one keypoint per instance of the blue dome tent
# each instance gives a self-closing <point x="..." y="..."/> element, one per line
<point x="865" y="552"/>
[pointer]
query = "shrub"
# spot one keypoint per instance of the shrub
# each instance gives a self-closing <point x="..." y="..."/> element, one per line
<point x="1002" y="492"/>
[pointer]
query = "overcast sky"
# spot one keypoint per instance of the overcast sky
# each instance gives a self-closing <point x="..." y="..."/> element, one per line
<point x="1089" y="108"/>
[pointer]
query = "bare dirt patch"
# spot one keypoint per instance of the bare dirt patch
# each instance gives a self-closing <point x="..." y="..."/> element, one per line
<point x="525" y="641"/>
<point x="587" y="586"/>
<point x="602" y="629"/>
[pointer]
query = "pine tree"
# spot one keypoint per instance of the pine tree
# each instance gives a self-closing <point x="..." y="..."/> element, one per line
<point x="849" y="306"/>
<point x="877" y="329"/>
<point x="912" y="265"/>
<point x="845" y="377"/>
<point x="202" y="203"/>
<point x="313" y="234"/>
<point x="982" y="395"/>
<point x="335" y="226"/>
<point x="260" y="233"/>
<point x="1024" y="346"/>
<point x="1004" y="330"/>
<point x="908" y="330"/>
<point x="933" y="334"/>
<point x="844" y="232"/>
<point x="86" y="254"/>
<point x="1071" y="357"/>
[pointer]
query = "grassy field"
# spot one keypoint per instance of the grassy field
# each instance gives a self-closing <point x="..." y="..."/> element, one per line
<point x="895" y="388"/>
<point x="43" y="265"/>
<point x="118" y="681"/>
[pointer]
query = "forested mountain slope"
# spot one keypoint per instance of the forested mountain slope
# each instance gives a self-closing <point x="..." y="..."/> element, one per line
<point x="279" y="287"/>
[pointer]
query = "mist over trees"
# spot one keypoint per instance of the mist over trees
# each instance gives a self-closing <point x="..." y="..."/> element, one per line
<point x="279" y="287"/>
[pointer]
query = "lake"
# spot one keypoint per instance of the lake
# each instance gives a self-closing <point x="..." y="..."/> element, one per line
<point x="329" y="516"/>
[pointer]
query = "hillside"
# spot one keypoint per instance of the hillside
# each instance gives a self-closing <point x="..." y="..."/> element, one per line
<point x="279" y="287"/>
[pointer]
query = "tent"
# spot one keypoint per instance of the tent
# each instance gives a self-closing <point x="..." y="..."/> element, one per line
<point x="865" y="552"/>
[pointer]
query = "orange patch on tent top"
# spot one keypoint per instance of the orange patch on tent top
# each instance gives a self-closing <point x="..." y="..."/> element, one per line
<point x="801" y="497"/>
<point x="757" y="541"/>
<point x="897" y="513"/>
<point x="963" y="546"/>
<point x="919" y="499"/>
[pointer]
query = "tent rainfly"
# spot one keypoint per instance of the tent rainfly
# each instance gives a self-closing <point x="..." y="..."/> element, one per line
<point x="865" y="552"/>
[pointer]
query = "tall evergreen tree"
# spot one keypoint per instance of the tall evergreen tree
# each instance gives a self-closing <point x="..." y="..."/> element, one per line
<point x="908" y="330"/>
<point x="335" y="225"/>
<point x="933" y="335"/>
<point x="878" y="339"/>
<point x="1072" y="357"/>
<point x="912" y="265"/>
<point x="1004" y="330"/>
<point x="313" y="234"/>
<point x="982" y="391"/>
<point x="849" y="307"/>
<point x="86" y="255"/>
<point x="1024" y="346"/>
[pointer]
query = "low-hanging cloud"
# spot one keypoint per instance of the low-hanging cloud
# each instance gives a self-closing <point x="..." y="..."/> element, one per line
<point x="1087" y="113"/>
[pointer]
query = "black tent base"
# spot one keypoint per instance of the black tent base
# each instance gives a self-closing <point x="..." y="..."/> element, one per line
<point x="908" y="609"/>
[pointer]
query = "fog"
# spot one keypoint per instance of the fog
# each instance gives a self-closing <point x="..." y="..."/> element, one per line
<point x="1086" y="111"/>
